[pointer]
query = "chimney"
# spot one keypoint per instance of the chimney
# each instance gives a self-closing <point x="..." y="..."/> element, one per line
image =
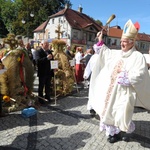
<point x="80" y="9"/>
<point x="66" y="5"/>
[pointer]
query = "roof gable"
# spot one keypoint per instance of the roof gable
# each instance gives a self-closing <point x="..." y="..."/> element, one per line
<point x="41" y="27"/>
<point x="80" y="20"/>
<point x="75" y="19"/>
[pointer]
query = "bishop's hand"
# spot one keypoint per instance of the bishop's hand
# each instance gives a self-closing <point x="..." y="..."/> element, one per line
<point x="100" y="35"/>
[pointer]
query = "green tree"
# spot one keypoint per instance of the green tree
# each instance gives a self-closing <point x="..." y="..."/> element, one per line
<point x="14" y="11"/>
<point x="9" y="11"/>
<point x="3" y="30"/>
<point x="99" y="22"/>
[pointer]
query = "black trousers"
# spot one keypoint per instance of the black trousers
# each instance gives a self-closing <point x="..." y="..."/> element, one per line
<point x="44" y="85"/>
<point x="0" y="103"/>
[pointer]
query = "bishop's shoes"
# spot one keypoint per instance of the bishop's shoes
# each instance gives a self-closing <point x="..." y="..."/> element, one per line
<point x="118" y="137"/>
<point x="92" y="112"/>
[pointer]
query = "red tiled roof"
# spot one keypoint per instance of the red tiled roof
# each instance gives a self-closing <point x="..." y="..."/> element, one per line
<point x="117" y="33"/>
<point x="144" y="37"/>
<point x="60" y="13"/>
<point x="76" y="19"/>
<point x="41" y="27"/>
<point x="80" y="20"/>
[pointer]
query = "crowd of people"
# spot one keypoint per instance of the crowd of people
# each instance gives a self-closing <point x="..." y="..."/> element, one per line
<point x="41" y="57"/>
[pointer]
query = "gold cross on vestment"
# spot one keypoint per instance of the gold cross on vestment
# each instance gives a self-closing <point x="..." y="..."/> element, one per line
<point x="58" y="31"/>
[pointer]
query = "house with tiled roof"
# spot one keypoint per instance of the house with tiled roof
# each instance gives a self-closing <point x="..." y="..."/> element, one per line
<point x="112" y="39"/>
<point x="114" y="35"/>
<point x="76" y="28"/>
<point x="143" y="42"/>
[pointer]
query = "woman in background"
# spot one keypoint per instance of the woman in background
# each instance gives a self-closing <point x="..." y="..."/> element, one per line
<point x="79" y="67"/>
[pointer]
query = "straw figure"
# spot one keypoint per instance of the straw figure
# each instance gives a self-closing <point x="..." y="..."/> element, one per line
<point x="64" y="74"/>
<point x="16" y="83"/>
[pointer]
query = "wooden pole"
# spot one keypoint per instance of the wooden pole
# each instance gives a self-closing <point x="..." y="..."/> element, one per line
<point x="55" y="89"/>
<point x="75" y="80"/>
<point x="40" y="97"/>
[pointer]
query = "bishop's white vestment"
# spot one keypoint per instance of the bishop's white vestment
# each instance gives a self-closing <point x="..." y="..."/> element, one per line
<point x="114" y="103"/>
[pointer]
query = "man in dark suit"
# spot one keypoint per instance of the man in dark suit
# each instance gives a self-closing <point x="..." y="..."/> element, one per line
<point x="86" y="59"/>
<point x="88" y="56"/>
<point x="45" y="73"/>
<point x="68" y="53"/>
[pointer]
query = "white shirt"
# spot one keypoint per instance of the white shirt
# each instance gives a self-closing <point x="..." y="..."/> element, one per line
<point x="78" y="58"/>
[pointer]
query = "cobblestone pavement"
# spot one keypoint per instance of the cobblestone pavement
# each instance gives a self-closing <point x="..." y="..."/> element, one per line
<point x="67" y="125"/>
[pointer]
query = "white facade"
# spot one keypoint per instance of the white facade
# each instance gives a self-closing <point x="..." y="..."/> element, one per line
<point x="50" y="30"/>
<point x="52" y="26"/>
<point x="74" y="37"/>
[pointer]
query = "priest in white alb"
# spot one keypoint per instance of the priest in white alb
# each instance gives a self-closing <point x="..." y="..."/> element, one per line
<point x="88" y="71"/>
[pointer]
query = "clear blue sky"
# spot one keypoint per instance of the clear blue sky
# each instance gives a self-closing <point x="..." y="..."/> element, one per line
<point x="136" y="10"/>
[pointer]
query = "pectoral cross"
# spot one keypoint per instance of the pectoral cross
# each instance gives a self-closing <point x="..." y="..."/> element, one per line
<point x="58" y="31"/>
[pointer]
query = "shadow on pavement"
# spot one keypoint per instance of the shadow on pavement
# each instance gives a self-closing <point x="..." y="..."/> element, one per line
<point x="45" y="141"/>
<point x="140" y="109"/>
<point x="142" y="133"/>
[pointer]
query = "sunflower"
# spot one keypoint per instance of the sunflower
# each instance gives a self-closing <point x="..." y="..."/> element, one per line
<point x="6" y="98"/>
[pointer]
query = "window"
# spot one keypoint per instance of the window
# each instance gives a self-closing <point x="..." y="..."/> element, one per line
<point x="75" y="35"/>
<point x="59" y="20"/>
<point x="84" y="36"/>
<point x="109" y="41"/>
<point x="115" y="42"/>
<point x="90" y="37"/>
<point x="49" y="35"/>
<point x="142" y="45"/>
<point x="53" y="21"/>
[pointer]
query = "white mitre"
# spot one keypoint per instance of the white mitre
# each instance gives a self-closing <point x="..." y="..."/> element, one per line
<point x="130" y="30"/>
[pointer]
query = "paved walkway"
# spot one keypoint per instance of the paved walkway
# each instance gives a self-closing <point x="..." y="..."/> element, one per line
<point x="67" y="126"/>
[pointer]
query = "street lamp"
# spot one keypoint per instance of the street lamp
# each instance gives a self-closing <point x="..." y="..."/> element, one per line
<point x="24" y="21"/>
